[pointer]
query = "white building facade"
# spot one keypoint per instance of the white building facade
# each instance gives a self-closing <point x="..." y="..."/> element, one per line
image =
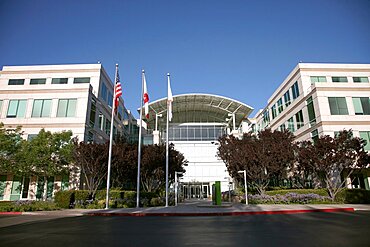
<point x="57" y="98"/>
<point x="198" y="121"/>
<point x="321" y="99"/>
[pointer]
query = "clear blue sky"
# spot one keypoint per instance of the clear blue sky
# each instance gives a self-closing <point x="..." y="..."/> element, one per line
<point x="239" y="49"/>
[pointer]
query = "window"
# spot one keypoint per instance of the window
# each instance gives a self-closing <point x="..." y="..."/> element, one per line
<point x="366" y="136"/>
<point x="295" y="90"/>
<point x="273" y="111"/>
<point x="92" y="113"/>
<point x="107" y="126"/>
<point x="110" y="99"/>
<point x="31" y="136"/>
<point x="282" y="127"/>
<point x="41" y="108"/>
<point x="16" y="82"/>
<point x="17" y="108"/>
<point x="67" y="108"/>
<point x="1" y="107"/>
<point x="287" y="98"/>
<point x="361" y="105"/>
<point x="299" y="119"/>
<point x="360" y="79"/>
<point x="315" y="135"/>
<point x="104" y="92"/>
<point x="315" y="79"/>
<point x="339" y="79"/>
<point x="291" y="124"/>
<point x="59" y="81"/>
<point x="38" y="81"/>
<point x="280" y="105"/>
<point x="338" y="106"/>
<point x="266" y="117"/>
<point x="65" y="182"/>
<point x="311" y="111"/>
<point x="81" y="80"/>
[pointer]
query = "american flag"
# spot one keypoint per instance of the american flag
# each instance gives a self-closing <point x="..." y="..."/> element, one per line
<point x="117" y="91"/>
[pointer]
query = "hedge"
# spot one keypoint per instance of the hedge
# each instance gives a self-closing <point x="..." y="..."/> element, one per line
<point x="26" y="206"/>
<point x="355" y="196"/>
<point x="321" y="192"/>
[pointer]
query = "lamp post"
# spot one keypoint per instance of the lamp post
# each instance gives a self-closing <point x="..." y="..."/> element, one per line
<point x="176" y="186"/>
<point x="245" y="185"/>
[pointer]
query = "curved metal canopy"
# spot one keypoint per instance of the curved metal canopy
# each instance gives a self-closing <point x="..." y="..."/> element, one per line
<point x="199" y="108"/>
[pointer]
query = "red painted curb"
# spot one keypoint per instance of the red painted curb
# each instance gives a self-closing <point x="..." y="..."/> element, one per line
<point x="327" y="210"/>
<point x="10" y="213"/>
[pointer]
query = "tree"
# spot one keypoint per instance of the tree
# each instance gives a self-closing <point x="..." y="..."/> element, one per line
<point x="264" y="156"/>
<point x="92" y="160"/>
<point x="153" y="172"/>
<point x="10" y="146"/>
<point x="330" y="158"/>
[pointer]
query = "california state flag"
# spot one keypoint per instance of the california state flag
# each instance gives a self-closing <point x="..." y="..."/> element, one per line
<point x="145" y="98"/>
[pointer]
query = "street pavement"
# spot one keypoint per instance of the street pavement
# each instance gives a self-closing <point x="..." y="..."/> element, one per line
<point x="302" y="229"/>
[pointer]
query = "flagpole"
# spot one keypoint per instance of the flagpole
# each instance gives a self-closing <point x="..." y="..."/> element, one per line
<point x="110" y="143"/>
<point x="139" y="145"/>
<point x="168" y="81"/>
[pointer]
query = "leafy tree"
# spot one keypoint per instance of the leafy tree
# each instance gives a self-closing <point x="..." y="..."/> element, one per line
<point x="264" y="156"/>
<point x="330" y="158"/>
<point x="153" y="172"/>
<point x="92" y="160"/>
<point x="10" y="146"/>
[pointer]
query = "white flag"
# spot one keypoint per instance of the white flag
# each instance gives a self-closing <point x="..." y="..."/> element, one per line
<point x="145" y="98"/>
<point x="169" y="99"/>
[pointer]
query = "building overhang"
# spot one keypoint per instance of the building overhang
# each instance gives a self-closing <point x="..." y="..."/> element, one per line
<point x="198" y="108"/>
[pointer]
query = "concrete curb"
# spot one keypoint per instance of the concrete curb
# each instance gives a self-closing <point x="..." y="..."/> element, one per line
<point x="299" y="211"/>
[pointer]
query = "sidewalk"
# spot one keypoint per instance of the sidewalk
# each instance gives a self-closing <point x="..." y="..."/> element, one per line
<point x="204" y="208"/>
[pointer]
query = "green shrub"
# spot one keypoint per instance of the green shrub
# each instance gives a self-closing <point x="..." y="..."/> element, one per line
<point x="26" y="206"/>
<point x="354" y="196"/>
<point x="321" y="192"/>
<point x="128" y="194"/>
<point x="64" y="199"/>
<point x="157" y="201"/>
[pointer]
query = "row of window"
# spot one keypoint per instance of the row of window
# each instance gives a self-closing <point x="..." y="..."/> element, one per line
<point x="279" y="106"/>
<point x="339" y="79"/>
<point x="41" y="108"/>
<point x="338" y="105"/>
<point x="37" y="81"/>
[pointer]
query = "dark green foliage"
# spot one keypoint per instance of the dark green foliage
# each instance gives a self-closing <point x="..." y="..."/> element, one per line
<point x="64" y="199"/>
<point x="355" y="196"/>
<point x="27" y="206"/>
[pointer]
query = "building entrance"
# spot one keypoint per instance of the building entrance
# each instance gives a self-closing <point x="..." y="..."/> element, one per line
<point x="195" y="190"/>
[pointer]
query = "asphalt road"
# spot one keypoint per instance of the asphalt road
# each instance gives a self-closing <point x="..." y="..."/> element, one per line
<point x="310" y="229"/>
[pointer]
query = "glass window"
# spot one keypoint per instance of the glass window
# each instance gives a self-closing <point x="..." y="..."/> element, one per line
<point x="67" y="108"/>
<point x="273" y="111"/>
<point x="338" y="106"/>
<point x="31" y="136"/>
<point x="104" y="92"/>
<point x="311" y="111"/>
<point x="299" y="119"/>
<point x="65" y="182"/>
<point x="295" y="90"/>
<point x="291" y="124"/>
<point x="92" y="113"/>
<point x="16" y="109"/>
<point x="287" y="98"/>
<point x="107" y="126"/>
<point x="366" y="136"/>
<point x="81" y="80"/>
<point x="59" y="81"/>
<point x="315" y="79"/>
<point x="360" y="79"/>
<point x="282" y="127"/>
<point x="37" y="81"/>
<point x="110" y="99"/>
<point x="361" y="105"/>
<point x="41" y="108"/>
<point x="315" y="135"/>
<point x="101" y="121"/>
<point x="1" y="107"/>
<point x="266" y="116"/>
<point x="16" y="82"/>
<point x="280" y="105"/>
<point x="339" y="79"/>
